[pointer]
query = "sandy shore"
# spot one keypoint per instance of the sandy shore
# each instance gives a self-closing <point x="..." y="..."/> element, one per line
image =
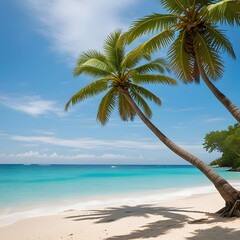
<point x="190" y="218"/>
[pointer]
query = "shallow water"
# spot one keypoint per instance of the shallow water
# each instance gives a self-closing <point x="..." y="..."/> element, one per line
<point x="34" y="184"/>
<point x="40" y="186"/>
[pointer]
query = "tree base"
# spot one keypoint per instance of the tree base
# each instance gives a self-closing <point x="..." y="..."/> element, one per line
<point x="231" y="210"/>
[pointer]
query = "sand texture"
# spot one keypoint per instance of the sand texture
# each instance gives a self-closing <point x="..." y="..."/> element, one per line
<point x="191" y="218"/>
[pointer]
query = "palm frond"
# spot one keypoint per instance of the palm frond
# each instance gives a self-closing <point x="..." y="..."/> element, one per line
<point x="219" y="40"/>
<point x="148" y="24"/>
<point x="92" y="63"/>
<point x="91" y="54"/>
<point x="209" y="57"/>
<point x="106" y="106"/>
<point x="180" y="61"/>
<point x="175" y="6"/>
<point x="92" y="71"/>
<point x="131" y="60"/>
<point x="141" y="103"/>
<point x="90" y="90"/>
<point x="153" y="78"/>
<point x="225" y="11"/>
<point x="202" y="3"/>
<point x="159" y="65"/>
<point x="114" y="52"/>
<point x="159" y="41"/>
<point x="145" y="93"/>
<point x="125" y="110"/>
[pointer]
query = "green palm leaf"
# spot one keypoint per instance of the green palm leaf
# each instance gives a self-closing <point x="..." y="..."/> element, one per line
<point x="131" y="60"/>
<point x="209" y="57"/>
<point x="106" y="106"/>
<point x="114" y="52"/>
<point x="175" y="6"/>
<point x="126" y="111"/>
<point x="91" y="70"/>
<point x="180" y="61"/>
<point x="91" y="54"/>
<point x="159" y="65"/>
<point x="148" y="24"/>
<point x="159" y="41"/>
<point x="92" y="63"/>
<point x="225" y="11"/>
<point x="141" y="103"/>
<point x="153" y="78"/>
<point x="90" y="90"/>
<point x="145" y="93"/>
<point x="219" y="41"/>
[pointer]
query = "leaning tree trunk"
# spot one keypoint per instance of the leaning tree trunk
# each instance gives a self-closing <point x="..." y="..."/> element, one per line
<point x="229" y="193"/>
<point x="232" y="108"/>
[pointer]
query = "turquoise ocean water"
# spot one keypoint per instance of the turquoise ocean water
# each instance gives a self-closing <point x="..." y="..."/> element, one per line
<point x="30" y="187"/>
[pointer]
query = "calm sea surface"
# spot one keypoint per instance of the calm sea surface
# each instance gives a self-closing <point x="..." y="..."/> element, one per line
<point x="24" y="185"/>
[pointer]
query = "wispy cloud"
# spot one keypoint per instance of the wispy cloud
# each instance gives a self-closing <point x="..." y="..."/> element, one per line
<point x="89" y="143"/>
<point x="215" y="119"/>
<point x="2" y="133"/>
<point x="32" y="105"/>
<point x="77" y="25"/>
<point x="32" y="154"/>
<point x="44" y="132"/>
<point x="99" y="144"/>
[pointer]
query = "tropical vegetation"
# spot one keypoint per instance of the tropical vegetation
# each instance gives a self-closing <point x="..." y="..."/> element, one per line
<point x="195" y="42"/>
<point x="120" y="75"/>
<point x="227" y="142"/>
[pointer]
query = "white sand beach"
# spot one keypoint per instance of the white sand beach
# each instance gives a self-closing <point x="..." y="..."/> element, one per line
<point x="191" y="218"/>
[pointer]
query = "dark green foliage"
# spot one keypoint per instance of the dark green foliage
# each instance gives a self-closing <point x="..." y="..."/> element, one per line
<point x="226" y="142"/>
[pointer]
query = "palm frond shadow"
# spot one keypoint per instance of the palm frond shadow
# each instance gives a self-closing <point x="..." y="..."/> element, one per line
<point x="175" y="218"/>
<point x="217" y="232"/>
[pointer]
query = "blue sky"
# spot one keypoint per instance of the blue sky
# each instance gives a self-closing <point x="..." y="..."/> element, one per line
<point x="40" y="41"/>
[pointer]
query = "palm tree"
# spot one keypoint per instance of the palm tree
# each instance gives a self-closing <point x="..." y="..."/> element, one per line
<point x="195" y="41"/>
<point x="226" y="11"/>
<point x="120" y="76"/>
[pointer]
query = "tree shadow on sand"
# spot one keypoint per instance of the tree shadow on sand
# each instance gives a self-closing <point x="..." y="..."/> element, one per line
<point x="217" y="232"/>
<point x="113" y="214"/>
<point x="173" y="218"/>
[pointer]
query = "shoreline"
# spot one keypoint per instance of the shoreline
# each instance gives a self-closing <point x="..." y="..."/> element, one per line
<point x="103" y="201"/>
<point x="189" y="218"/>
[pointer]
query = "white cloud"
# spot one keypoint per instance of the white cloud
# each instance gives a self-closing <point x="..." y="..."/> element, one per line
<point x="77" y="25"/>
<point x="34" y="155"/>
<point x="98" y="144"/>
<point x="215" y="119"/>
<point x="2" y="133"/>
<point x="44" y="132"/>
<point x="32" y="105"/>
<point x="89" y="143"/>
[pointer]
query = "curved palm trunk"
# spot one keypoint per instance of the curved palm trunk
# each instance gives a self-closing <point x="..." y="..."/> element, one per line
<point x="229" y="194"/>
<point x="232" y="108"/>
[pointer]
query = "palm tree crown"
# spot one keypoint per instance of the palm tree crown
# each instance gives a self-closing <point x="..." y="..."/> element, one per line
<point x="191" y="29"/>
<point x="117" y="71"/>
